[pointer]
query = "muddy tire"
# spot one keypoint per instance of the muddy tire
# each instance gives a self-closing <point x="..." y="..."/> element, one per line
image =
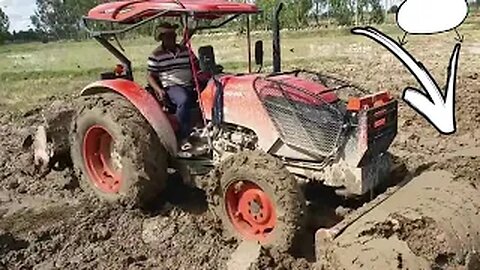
<point x="268" y="197"/>
<point x="116" y="154"/>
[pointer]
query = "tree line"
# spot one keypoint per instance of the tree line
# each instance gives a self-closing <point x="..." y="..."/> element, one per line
<point x="61" y="19"/>
<point x="301" y="13"/>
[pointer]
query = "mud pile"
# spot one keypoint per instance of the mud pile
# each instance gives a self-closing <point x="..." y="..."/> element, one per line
<point x="272" y="259"/>
<point x="93" y="236"/>
<point x="47" y="222"/>
<point x="422" y="235"/>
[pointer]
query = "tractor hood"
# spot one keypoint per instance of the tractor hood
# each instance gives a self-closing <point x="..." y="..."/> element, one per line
<point x="245" y="100"/>
<point x="298" y="89"/>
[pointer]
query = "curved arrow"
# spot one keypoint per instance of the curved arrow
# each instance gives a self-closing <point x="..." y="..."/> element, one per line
<point x="438" y="109"/>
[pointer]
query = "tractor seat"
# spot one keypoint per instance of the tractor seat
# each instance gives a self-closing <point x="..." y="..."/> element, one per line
<point x="206" y="57"/>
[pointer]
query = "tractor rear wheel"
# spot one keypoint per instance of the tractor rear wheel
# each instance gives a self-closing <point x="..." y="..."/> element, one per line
<point x="115" y="152"/>
<point x="260" y="200"/>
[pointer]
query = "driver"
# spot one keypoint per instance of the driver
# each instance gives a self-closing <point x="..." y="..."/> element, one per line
<point x="170" y="76"/>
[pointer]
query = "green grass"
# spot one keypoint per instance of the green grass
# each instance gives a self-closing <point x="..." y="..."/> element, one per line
<point x="30" y="72"/>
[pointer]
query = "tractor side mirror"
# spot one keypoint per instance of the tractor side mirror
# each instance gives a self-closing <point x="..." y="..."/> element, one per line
<point x="259" y="53"/>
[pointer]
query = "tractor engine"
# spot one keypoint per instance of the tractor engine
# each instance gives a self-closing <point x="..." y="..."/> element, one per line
<point x="232" y="139"/>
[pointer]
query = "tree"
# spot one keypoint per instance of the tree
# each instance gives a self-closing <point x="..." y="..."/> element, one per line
<point x="319" y="5"/>
<point x="265" y="19"/>
<point x="61" y="18"/>
<point x="297" y="12"/>
<point x="343" y="11"/>
<point x="376" y="14"/>
<point x="294" y="14"/>
<point x="346" y="12"/>
<point x="4" y="25"/>
<point x="26" y="36"/>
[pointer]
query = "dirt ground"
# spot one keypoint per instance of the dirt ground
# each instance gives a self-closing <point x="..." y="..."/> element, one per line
<point x="49" y="222"/>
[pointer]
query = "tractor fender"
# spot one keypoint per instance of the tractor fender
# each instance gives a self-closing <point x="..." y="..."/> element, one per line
<point x="144" y="102"/>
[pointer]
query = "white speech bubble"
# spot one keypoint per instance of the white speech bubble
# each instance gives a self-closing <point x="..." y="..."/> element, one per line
<point x="431" y="16"/>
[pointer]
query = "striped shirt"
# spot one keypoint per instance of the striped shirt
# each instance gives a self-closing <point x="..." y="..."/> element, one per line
<point x="172" y="68"/>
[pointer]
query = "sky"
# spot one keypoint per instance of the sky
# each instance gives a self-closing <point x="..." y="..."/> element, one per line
<point x="19" y="12"/>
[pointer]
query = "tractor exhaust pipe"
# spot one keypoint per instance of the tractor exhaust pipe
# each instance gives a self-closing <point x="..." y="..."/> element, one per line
<point x="277" y="64"/>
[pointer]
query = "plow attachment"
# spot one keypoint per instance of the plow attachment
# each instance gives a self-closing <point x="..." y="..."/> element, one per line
<point x="432" y="222"/>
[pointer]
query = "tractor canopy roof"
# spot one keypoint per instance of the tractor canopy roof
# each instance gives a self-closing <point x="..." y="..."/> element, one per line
<point x="132" y="11"/>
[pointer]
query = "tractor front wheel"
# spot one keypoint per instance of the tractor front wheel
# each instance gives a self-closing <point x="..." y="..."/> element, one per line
<point x="115" y="152"/>
<point x="260" y="200"/>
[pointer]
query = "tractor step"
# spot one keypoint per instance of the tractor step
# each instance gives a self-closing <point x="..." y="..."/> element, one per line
<point x="197" y="166"/>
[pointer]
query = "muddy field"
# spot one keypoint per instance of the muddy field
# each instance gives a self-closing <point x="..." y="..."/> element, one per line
<point x="48" y="222"/>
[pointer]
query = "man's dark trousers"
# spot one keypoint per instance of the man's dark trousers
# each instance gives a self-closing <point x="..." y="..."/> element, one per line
<point x="182" y="97"/>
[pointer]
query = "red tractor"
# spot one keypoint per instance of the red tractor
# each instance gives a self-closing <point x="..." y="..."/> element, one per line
<point x="266" y="137"/>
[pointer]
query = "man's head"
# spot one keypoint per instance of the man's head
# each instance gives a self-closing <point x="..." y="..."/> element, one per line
<point x="165" y="32"/>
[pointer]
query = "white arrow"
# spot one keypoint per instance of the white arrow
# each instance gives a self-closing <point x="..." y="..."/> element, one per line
<point x="439" y="110"/>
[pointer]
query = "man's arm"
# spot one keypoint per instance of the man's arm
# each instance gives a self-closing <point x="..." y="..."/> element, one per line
<point x="152" y="78"/>
<point x="152" y="81"/>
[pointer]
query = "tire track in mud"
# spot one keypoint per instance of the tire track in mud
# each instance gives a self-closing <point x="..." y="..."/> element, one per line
<point x="78" y="231"/>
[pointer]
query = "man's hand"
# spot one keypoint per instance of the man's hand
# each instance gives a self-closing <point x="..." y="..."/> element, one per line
<point x="160" y="93"/>
<point x="161" y="97"/>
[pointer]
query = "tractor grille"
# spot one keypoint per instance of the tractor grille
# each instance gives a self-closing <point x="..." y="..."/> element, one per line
<point x="303" y="120"/>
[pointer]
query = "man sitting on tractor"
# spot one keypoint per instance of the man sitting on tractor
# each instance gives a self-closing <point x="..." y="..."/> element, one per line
<point x="170" y="75"/>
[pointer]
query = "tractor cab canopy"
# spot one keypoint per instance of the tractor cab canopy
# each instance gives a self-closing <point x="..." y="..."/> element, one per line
<point x="133" y="11"/>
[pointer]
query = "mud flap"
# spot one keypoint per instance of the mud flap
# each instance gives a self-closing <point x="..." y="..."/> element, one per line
<point x="381" y="130"/>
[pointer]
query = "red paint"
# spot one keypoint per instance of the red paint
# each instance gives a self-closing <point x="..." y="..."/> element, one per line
<point x="173" y="122"/>
<point x="242" y="107"/>
<point x="250" y="210"/>
<point x="379" y="123"/>
<point x="97" y="147"/>
<point x="370" y="101"/>
<point x="144" y="102"/>
<point x="195" y="68"/>
<point x="380" y="113"/>
<point x="313" y="88"/>
<point x="132" y="11"/>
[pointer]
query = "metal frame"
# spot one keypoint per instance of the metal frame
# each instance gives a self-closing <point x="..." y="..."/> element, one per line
<point x="226" y="21"/>
<point x="277" y="62"/>
<point x="321" y="77"/>
<point x="120" y="31"/>
<point x="118" y="54"/>
<point x="156" y="16"/>
<point x="103" y="36"/>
